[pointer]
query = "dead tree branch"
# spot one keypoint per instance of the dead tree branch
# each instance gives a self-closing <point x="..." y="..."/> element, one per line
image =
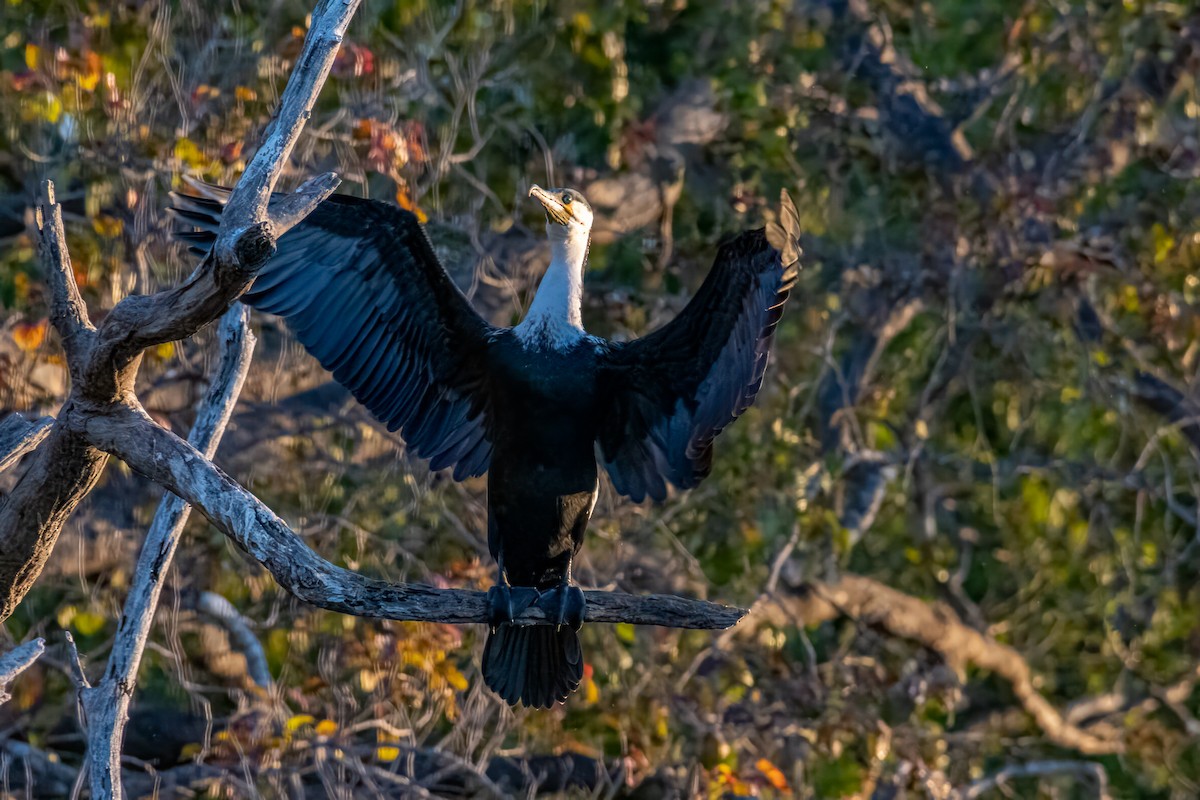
<point x="103" y="361"/>
<point x="18" y="436"/>
<point x="129" y="433"/>
<point x="16" y="661"/>
<point x="1086" y="770"/>
<point x="241" y="634"/>
<point x="107" y="703"/>
<point x="936" y="626"/>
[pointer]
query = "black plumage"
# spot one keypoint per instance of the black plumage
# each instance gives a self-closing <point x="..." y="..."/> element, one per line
<point x="534" y="406"/>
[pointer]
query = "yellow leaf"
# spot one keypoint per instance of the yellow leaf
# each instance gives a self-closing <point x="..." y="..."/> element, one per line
<point x="297" y="722"/>
<point x="65" y="615"/>
<point x="88" y="623"/>
<point x="326" y="727"/>
<point x="190" y="751"/>
<point x="454" y="677"/>
<point x="30" y="335"/>
<point x="108" y="226"/>
<point x="187" y="152"/>
<point x="165" y="350"/>
<point x="245" y="94"/>
<point x="32" y="55"/>
<point x="387" y="753"/>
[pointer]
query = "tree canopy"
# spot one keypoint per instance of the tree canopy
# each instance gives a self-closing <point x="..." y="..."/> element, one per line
<point x="965" y="502"/>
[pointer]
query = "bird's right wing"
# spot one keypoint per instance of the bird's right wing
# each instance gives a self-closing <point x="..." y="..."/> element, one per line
<point x="361" y="288"/>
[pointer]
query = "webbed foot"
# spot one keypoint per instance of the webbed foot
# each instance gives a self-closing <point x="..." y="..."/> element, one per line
<point x="505" y="603"/>
<point x="564" y="605"/>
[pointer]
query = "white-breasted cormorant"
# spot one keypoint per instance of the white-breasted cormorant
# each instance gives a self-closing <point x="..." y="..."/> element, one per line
<point x="537" y="406"/>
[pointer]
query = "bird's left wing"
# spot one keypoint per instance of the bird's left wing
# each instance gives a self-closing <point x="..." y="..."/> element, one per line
<point x="671" y="392"/>
<point x="361" y="288"/>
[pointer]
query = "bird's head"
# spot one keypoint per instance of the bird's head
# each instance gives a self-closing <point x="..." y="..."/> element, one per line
<point x="564" y="207"/>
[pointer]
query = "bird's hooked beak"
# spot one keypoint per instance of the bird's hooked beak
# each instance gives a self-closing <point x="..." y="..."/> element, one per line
<point x="555" y="210"/>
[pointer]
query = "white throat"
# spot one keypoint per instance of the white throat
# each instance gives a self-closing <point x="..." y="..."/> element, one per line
<point x="555" y="317"/>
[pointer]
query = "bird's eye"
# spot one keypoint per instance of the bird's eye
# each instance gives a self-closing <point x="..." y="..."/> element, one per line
<point x="567" y="198"/>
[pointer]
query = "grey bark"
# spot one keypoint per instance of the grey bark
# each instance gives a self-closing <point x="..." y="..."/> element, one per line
<point x="107" y="703"/>
<point x="16" y="661"/>
<point x="18" y="436"/>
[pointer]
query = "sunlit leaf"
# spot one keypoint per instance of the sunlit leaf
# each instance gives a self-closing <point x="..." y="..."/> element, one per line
<point x="406" y="202"/>
<point x="773" y="774"/>
<point x="107" y="226"/>
<point x="88" y="623"/>
<point x="30" y="335"/>
<point x="297" y="722"/>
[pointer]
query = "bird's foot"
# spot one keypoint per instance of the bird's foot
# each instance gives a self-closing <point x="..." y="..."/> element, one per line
<point x="505" y="603"/>
<point x="564" y="605"/>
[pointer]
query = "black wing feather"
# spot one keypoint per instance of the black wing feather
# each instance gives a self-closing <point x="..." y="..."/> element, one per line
<point x="673" y="391"/>
<point x="363" y="291"/>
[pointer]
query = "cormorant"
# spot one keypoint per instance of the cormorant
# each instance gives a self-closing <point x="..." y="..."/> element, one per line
<point x="537" y="406"/>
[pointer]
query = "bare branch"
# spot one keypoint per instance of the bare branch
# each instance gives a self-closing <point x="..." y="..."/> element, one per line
<point x="64" y="469"/>
<point x="131" y="435"/>
<point x="104" y="362"/>
<point x="249" y="228"/>
<point x="107" y="703"/>
<point x="18" y="436"/>
<point x="241" y="633"/>
<point x="16" y="661"/>
<point x="1086" y="770"/>
<point x="67" y="310"/>
<point x="936" y="626"/>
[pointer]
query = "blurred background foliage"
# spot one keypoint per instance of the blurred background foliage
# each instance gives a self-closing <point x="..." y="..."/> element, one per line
<point x="980" y="396"/>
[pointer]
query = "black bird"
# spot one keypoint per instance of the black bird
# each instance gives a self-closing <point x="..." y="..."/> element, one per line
<point x="535" y="406"/>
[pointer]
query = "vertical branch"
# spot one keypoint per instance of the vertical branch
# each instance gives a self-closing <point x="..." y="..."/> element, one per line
<point x="107" y="703"/>
<point x="65" y="467"/>
<point x="67" y="310"/>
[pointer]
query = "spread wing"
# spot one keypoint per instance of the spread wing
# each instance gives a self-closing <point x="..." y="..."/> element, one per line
<point x="363" y="291"/>
<point x="674" y="390"/>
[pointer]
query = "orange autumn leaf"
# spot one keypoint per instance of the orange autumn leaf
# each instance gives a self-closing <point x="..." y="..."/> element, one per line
<point x="245" y="94"/>
<point x="773" y="774"/>
<point x="30" y="335"/>
<point x="405" y="201"/>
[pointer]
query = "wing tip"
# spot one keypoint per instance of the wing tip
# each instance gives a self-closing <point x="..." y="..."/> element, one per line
<point x="783" y="233"/>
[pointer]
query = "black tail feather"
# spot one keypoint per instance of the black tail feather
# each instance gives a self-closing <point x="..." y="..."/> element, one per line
<point x="538" y="665"/>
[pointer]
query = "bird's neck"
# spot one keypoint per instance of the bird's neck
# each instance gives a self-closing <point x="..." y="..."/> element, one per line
<point x="557" y="309"/>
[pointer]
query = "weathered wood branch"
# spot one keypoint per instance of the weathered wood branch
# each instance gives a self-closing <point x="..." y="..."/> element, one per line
<point x="103" y="361"/>
<point x="64" y="468"/>
<point x="128" y="433"/>
<point x="16" y="661"/>
<point x="107" y="703"/>
<point x="241" y="636"/>
<point x="18" y="436"/>
<point x="68" y="313"/>
<point x="1087" y="771"/>
<point x="936" y="626"/>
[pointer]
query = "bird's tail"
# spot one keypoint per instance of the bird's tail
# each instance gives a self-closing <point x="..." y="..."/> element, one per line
<point x="540" y="665"/>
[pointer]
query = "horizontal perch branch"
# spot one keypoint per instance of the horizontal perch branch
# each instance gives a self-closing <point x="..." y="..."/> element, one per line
<point x="128" y="433"/>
